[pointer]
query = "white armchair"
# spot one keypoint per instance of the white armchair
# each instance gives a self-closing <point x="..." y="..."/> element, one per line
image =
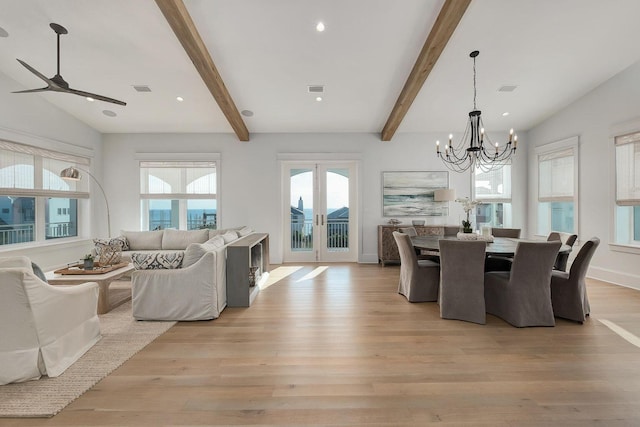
<point x="44" y="329"/>
<point x="195" y="292"/>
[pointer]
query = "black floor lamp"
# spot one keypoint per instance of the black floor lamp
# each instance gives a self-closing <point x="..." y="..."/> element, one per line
<point x="72" y="173"/>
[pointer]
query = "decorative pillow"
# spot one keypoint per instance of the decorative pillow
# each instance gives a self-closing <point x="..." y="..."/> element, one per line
<point x="194" y="252"/>
<point x="244" y="231"/>
<point x="118" y="241"/>
<point x="216" y="242"/>
<point x="180" y="239"/>
<point x="38" y="272"/>
<point x="144" y="240"/>
<point x="230" y="236"/>
<point x="157" y="260"/>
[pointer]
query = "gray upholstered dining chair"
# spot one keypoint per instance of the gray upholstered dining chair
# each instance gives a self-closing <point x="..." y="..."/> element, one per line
<point x="522" y="296"/>
<point x="506" y="232"/>
<point x="419" y="279"/>
<point x="501" y="263"/>
<point x="411" y="231"/>
<point x="451" y="230"/>
<point x="568" y="290"/>
<point x="563" y="258"/>
<point x="421" y="253"/>
<point x="461" y="294"/>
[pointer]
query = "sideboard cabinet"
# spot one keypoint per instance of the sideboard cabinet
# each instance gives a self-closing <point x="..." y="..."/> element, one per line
<point x="387" y="248"/>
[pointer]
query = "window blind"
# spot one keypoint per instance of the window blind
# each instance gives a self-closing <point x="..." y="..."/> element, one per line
<point x="493" y="186"/>
<point x="628" y="169"/>
<point x="555" y="176"/>
<point x="33" y="171"/>
<point x="177" y="180"/>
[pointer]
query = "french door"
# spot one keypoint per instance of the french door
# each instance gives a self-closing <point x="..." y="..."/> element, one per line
<point x="320" y="211"/>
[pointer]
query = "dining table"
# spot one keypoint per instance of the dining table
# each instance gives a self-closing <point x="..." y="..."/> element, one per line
<point x="503" y="246"/>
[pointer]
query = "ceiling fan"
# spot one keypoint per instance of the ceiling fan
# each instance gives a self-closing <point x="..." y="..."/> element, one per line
<point x="57" y="83"/>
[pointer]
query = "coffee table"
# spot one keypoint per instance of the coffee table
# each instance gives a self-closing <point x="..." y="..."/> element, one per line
<point x="103" y="281"/>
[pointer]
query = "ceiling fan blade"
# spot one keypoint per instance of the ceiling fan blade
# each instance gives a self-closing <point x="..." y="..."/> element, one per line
<point x="94" y="96"/>
<point x="36" y="72"/>
<point x="42" y="89"/>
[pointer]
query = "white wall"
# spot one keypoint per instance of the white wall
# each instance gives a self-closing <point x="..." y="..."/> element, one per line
<point x="30" y="119"/>
<point x="250" y="176"/>
<point x="593" y="118"/>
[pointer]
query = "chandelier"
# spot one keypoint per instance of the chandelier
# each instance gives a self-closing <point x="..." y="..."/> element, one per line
<point x="476" y="150"/>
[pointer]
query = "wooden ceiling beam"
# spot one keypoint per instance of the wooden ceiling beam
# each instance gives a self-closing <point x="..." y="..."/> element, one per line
<point x="176" y="14"/>
<point x="446" y="23"/>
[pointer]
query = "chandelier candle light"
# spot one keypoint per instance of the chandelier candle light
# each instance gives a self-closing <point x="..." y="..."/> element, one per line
<point x="476" y="150"/>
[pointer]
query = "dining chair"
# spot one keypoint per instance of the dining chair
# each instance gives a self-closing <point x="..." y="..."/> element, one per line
<point x="411" y="231"/>
<point x="451" y="230"/>
<point x="522" y="296"/>
<point x="563" y="258"/>
<point x="421" y="253"/>
<point x="419" y="279"/>
<point x="506" y="232"/>
<point x="568" y="290"/>
<point x="501" y="262"/>
<point x="461" y="293"/>
<point x="553" y="236"/>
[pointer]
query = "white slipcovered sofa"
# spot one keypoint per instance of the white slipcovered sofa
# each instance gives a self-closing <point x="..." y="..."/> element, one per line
<point x="182" y="284"/>
<point x="168" y="241"/>
<point x="44" y="329"/>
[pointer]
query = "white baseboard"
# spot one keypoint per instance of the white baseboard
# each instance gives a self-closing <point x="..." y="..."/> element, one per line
<point x="615" y="277"/>
<point x="368" y="259"/>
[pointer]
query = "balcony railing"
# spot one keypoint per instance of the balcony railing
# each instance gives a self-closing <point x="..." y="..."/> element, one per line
<point x="337" y="235"/>
<point x="193" y="223"/>
<point x="22" y="233"/>
<point x="16" y="233"/>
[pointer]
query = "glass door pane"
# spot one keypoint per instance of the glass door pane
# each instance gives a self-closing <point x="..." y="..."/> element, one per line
<point x="301" y="218"/>
<point x="337" y="210"/>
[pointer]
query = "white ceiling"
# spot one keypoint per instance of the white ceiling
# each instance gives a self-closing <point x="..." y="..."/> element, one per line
<point x="268" y="51"/>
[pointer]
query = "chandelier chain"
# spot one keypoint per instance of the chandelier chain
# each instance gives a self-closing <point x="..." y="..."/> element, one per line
<point x="474" y="83"/>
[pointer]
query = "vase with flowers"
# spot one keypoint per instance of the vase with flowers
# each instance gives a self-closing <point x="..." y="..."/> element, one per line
<point x="467" y="206"/>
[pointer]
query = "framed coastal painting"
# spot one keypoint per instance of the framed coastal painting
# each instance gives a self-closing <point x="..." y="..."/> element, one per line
<point x="410" y="193"/>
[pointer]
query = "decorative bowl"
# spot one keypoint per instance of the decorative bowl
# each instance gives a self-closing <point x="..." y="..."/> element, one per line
<point x="418" y="222"/>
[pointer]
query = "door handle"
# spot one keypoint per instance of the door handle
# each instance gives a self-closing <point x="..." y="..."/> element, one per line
<point x="316" y="220"/>
<point x="322" y="219"/>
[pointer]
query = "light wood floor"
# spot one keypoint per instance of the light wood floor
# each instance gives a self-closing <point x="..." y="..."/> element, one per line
<point x="342" y="348"/>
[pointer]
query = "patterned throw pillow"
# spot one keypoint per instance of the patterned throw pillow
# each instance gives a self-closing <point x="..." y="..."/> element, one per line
<point x="157" y="260"/>
<point x="119" y="241"/>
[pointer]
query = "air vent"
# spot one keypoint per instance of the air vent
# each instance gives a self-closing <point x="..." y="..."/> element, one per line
<point x="142" y="88"/>
<point x="507" y="88"/>
<point x="316" y="89"/>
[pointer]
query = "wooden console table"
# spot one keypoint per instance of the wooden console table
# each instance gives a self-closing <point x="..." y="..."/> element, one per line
<point x="247" y="268"/>
<point x="387" y="248"/>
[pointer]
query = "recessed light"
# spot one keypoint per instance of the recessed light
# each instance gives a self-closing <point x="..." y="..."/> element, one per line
<point x="90" y="99"/>
<point x="247" y="113"/>
<point x="109" y="113"/>
<point x="179" y="99"/>
<point x="318" y="98"/>
<point x="320" y="27"/>
<point x="505" y="114"/>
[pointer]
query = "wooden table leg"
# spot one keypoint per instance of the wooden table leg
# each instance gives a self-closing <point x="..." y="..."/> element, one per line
<point x="103" y="297"/>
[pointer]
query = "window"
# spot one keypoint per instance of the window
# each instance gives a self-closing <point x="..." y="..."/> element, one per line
<point x="178" y="195"/>
<point x="35" y="203"/>
<point x="493" y="191"/>
<point x="627" y="210"/>
<point x="558" y="187"/>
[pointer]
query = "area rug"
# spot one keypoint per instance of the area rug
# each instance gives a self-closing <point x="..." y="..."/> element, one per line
<point x="122" y="337"/>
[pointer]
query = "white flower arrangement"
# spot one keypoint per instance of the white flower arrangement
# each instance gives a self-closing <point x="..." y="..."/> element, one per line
<point x="467" y="205"/>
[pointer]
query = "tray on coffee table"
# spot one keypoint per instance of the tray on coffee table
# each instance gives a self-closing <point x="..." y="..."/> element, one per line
<point x="97" y="269"/>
